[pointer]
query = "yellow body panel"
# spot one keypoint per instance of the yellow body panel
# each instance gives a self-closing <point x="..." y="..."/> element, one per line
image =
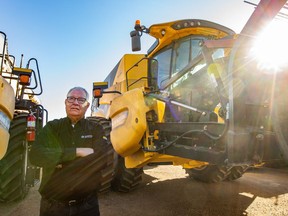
<point x="120" y="82"/>
<point x="126" y="136"/>
<point x="7" y="105"/>
<point x="159" y="107"/>
<point x="7" y="98"/>
<point x="3" y="142"/>
<point x="140" y="159"/>
<point x="133" y="73"/>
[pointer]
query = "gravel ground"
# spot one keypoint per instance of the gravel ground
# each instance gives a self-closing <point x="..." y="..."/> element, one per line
<point x="168" y="191"/>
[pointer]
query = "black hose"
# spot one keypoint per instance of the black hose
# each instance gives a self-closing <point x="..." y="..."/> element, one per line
<point x="209" y="135"/>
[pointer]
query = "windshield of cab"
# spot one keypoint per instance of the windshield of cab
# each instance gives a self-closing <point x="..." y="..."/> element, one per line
<point x="184" y="73"/>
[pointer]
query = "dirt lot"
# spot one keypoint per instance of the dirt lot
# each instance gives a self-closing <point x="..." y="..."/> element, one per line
<point x="167" y="191"/>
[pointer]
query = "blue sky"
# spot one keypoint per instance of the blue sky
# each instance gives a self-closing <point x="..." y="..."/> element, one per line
<point x="77" y="42"/>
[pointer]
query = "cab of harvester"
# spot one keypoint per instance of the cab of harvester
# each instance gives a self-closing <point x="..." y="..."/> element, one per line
<point x="196" y="99"/>
<point x="21" y="117"/>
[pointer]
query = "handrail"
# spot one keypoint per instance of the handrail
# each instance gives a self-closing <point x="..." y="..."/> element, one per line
<point x="136" y="64"/>
<point x="3" y="51"/>
<point x="39" y="77"/>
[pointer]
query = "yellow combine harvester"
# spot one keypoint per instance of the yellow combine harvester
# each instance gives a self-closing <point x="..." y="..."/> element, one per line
<point x="196" y="99"/>
<point x="21" y="117"/>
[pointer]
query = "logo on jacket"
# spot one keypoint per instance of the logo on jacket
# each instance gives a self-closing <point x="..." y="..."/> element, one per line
<point x="86" y="136"/>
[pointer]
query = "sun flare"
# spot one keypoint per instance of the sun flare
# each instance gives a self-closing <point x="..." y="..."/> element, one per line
<point x="270" y="49"/>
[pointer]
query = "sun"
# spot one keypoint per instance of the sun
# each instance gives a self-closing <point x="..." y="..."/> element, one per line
<point x="271" y="47"/>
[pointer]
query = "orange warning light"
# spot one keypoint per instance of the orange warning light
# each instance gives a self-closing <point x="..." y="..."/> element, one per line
<point x="24" y="79"/>
<point x="97" y="93"/>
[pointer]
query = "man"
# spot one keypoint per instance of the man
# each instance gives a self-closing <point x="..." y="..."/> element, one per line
<point x="68" y="150"/>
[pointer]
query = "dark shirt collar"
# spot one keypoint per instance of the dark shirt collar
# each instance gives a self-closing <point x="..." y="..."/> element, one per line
<point x="80" y="122"/>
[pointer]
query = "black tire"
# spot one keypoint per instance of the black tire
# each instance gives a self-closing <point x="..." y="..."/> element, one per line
<point x="236" y="172"/>
<point x="126" y="179"/>
<point x="209" y="173"/>
<point x="107" y="174"/>
<point x="13" y="165"/>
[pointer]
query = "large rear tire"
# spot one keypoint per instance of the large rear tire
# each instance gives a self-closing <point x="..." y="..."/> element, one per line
<point x="116" y="175"/>
<point x="107" y="173"/>
<point x="13" y="166"/>
<point x="209" y="173"/>
<point x="126" y="179"/>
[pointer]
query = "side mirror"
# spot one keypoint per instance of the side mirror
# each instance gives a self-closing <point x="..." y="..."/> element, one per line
<point x="135" y="39"/>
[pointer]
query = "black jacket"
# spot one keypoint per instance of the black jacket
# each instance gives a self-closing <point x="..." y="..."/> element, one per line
<point x="56" y="144"/>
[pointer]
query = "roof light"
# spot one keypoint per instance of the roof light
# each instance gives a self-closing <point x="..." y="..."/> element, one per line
<point x="137" y="26"/>
<point x="186" y="24"/>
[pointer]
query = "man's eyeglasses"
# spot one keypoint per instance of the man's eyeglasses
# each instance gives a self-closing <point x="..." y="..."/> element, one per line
<point x="72" y="99"/>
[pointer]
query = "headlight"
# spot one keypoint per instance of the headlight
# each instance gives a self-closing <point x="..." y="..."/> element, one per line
<point x="119" y="119"/>
<point x="4" y="121"/>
